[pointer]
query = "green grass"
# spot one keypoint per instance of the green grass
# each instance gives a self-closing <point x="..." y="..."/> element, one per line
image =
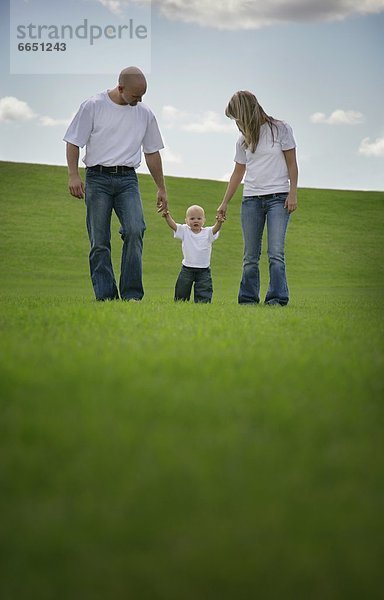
<point x="185" y="452"/>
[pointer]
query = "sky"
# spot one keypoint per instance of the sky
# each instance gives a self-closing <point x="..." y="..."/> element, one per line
<point x="316" y="64"/>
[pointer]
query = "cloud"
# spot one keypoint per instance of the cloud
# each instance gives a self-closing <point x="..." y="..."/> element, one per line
<point x="339" y="117"/>
<point x="12" y="109"/>
<point x="368" y="148"/>
<point x="115" y="6"/>
<point x="247" y="14"/>
<point x="50" y="122"/>
<point x="168" y="156"/>
<point x="172" y="116"/>
<point x="207" y="122"/>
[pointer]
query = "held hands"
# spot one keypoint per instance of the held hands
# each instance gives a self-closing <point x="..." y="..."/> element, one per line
<point x="221" y="212"/>
<point x="220" y="218"/>
<point x="162" y="202"/>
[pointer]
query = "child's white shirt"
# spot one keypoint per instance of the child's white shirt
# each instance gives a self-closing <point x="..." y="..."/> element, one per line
<point x="196" y="247"/>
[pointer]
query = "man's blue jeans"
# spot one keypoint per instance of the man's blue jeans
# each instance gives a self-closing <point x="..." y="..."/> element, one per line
<point x="118" y="192"/>
<point x="255" y="212"/>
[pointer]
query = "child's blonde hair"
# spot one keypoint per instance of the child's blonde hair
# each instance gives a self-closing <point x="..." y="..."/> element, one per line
<point x="194" y="207"/>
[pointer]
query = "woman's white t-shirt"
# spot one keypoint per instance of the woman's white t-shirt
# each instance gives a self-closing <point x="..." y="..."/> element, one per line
<point x="266" y="168"/>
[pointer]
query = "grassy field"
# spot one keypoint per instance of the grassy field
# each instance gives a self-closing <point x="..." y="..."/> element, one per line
<point x="190" y="452"/>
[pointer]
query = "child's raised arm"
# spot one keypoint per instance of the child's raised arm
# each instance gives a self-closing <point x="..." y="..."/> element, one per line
<point x="219" y="221"/>
<point x="167" y="216"/>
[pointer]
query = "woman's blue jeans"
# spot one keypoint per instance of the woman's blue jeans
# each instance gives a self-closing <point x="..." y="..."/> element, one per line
<point x="255" y="212"/>
<point x="118" y="192"/>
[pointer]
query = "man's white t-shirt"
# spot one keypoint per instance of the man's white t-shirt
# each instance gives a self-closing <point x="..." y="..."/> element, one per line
<point x="112" y="133"/>
<point x="196" y="247"/>
<point x="266" y="168"/>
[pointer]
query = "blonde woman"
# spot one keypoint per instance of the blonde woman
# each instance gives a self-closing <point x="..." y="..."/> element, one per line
<point x="266" y="155"/>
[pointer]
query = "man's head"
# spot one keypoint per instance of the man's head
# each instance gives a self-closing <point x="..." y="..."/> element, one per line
<point x="195" y="218"/>
<point x="132" y="85"/>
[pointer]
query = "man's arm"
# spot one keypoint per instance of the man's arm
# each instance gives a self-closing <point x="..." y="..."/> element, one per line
<point x="155" y="167"/>
<point x="75" y="184"/>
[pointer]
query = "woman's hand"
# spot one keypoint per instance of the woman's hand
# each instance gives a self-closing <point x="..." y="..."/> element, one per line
<point x="221" y="212"/>
<point x="291" y="202"/>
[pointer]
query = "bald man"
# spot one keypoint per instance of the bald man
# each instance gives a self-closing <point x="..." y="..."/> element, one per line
<point x="115" y="127"/>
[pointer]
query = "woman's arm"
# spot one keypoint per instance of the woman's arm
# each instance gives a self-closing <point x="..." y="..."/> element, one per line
<point x="293" y="173"/>
<point x="234" y="182"/>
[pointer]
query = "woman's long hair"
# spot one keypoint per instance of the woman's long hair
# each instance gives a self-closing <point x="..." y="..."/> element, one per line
<point x="249" y="117"/>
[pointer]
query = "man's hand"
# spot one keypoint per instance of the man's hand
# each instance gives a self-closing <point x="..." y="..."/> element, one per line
<point x="76" y="186"/>
<point x="162" y="202"/>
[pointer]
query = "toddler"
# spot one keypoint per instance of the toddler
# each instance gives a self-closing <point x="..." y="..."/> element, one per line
<point x="196" y="245"/>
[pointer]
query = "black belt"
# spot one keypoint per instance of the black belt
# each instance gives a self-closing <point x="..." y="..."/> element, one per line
<point x="270" y="196"/>
<point x="118" y="170"/>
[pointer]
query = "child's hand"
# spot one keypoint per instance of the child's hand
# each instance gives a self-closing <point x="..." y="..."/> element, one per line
<point x="165" y="213"/>
<point x="220" y="218"/>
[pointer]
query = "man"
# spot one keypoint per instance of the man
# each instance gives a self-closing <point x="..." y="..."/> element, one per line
<point x="114" y="125"/>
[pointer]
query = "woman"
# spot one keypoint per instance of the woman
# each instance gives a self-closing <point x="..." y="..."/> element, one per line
<point x="266" y="154"/>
